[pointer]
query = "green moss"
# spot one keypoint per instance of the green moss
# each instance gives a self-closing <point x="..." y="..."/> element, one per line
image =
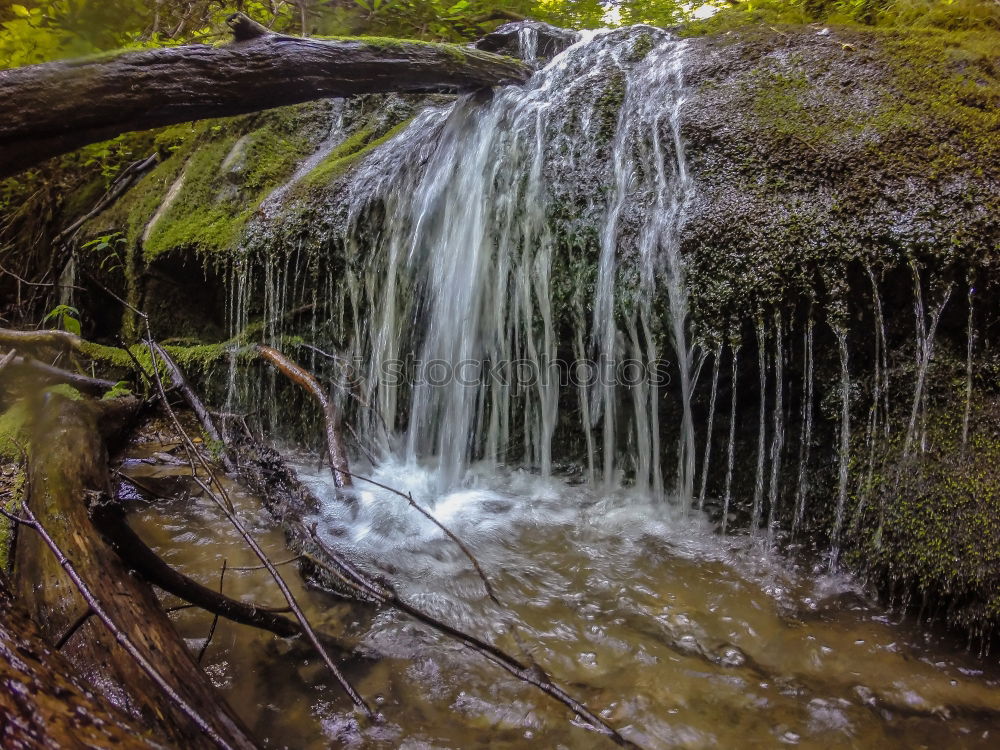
<point x="642" y="47"/>
<point x="11" y="504"/>
<point x="609" y="105"/>
<point x="13" y="437"/>
<point x="203" y="358"/>
<point x="942" y="112"/>
<point x="120" y="389"/>
<point x="784" y="101"/>
<point x="66" y="391"/>
<point x="213" y="180"/>
<point x="930" y="523"/>
<point x="347" y="154"/>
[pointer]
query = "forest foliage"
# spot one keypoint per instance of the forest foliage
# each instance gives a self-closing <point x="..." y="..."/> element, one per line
<point x="33" y="31"/>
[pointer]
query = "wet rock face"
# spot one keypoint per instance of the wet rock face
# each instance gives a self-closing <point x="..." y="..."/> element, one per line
<point x="840" y="240"/>
<point x="819" y="151"/>
<point x="527" y="40"/>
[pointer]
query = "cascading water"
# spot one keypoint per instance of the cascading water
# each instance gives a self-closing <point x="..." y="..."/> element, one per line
<point x="506" y="263"/>
<point x="467" y="284"/>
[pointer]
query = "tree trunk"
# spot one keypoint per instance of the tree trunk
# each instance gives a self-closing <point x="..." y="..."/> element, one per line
<point x="52" y="108"/>
<point x="68" y="473"/>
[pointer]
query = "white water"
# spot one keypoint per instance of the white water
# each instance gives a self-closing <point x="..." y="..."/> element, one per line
<point x="468" y="243"/>
<point x="457" y="261"/>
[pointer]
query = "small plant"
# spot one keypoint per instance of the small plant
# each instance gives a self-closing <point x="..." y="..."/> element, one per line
<point x="112" y="261"/>
<point x="121" y="388"/>
<point x="66" y="317"/>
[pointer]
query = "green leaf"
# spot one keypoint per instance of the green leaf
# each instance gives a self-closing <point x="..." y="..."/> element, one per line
<point x="20" y="10"/>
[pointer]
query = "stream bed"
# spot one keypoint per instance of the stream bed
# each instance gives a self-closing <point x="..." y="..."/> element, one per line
<point x="677" y="636"/>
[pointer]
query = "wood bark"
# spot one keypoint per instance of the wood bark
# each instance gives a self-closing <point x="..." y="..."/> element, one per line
<point x="336" y="450"/>
<point x="56" y="107"/>
<point x="68" y="475"/>
<point x="43" y="702"/>
<point x="39" y="373"/>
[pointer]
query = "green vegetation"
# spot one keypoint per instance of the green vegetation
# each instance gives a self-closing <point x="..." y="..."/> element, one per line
<point x="10" y="504"/>
<point x="13" y="437"/>
<point x="931" y="523"/>
<point x="348" y="153"/>
<point x="896" y="14"/>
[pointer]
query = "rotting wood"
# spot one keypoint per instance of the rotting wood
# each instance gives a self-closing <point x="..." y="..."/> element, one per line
<point x="43" y="701"/>
<point x="67" y="473"/>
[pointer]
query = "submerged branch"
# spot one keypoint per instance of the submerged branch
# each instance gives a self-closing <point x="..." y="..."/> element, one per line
<point x="222" y="500"/>
<point x="336" y="451"/>
<point x="137" y="555"/>
<point x="532" y="674"/>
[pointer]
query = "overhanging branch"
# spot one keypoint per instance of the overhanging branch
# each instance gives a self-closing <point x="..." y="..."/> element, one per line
<point x="52" y="108"/>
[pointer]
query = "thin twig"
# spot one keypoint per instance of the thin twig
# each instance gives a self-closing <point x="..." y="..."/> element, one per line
<point x="225" y="504"/>
<point x="74" y="626"/>
<point x="264" y="567"/>
<point x="39" y="283"/>
<point x="527" y="673"/>
<point x="215" y="620"/>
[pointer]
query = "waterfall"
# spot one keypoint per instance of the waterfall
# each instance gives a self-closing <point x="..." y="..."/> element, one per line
<point x="462" y="350"/>
<point x="758" y="483"/>
<point x="969" y="347"/>
<point x="844" y="452"/>
<point x="510" y="285"/>
<point x="802" y="485"/>
<point x="716" y="362"/>
<point x="778" y="424"/>
<point x="924" y="353"/>
<point x="731" y="444"/>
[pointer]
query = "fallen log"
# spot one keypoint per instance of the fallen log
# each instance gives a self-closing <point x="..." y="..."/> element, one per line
<point x="68" y="474"/>
<point x="53" y="108"/>
<point x="43" y="702"/>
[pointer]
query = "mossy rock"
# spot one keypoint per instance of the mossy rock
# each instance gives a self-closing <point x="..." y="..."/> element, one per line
<point x="928" y="525"/>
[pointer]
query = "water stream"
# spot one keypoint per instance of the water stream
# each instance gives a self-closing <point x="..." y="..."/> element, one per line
<point x="680" y="637"/>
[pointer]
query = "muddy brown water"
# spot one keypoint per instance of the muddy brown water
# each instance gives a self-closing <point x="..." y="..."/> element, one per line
<point x="678" y="637"/>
